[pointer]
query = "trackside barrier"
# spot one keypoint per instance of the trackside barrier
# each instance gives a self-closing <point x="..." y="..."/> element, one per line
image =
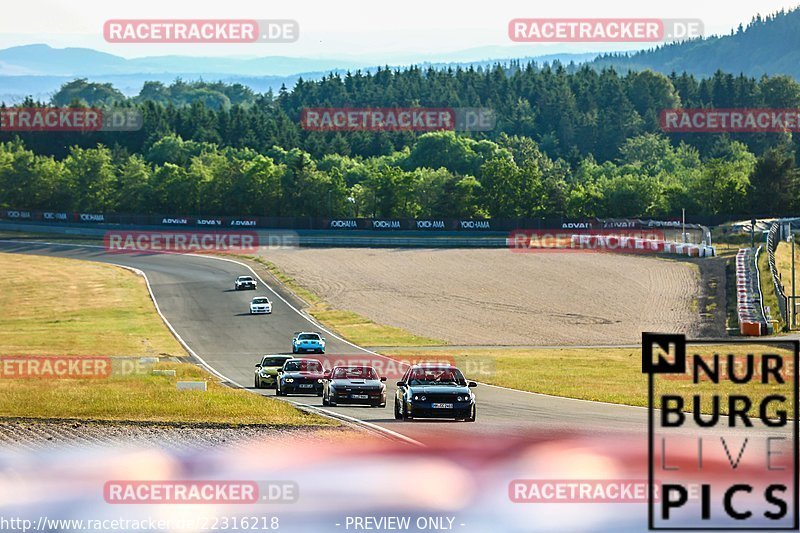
<point x="600" y="242"/>
<point x="655" y="246"/>
<point x="749" y="306"/>
<point x="431" y="226"/>
<point x="783" y="300"/>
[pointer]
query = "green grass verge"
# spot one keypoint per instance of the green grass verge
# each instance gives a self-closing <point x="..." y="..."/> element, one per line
<point x="612" y="375"/>
<point x="65" y="307"/>
<point x="148" y="398"/>
<point x="56" y="306"/>
<point x="768" y="290"/>
<point x="783" y="262"/>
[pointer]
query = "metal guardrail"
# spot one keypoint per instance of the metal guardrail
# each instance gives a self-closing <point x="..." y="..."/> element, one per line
<point x="772" y="244"/>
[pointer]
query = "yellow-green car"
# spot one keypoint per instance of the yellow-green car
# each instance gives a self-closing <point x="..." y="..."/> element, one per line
<point x="267" y="370"/>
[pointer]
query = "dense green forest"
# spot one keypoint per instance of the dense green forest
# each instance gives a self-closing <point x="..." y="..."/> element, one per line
<point x="582" y="143"/>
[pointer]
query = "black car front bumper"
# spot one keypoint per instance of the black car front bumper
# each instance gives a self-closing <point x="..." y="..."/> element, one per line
<point x="426" y="410"/>
<point x="373" y="398"/>
<point x="301" y="388"/>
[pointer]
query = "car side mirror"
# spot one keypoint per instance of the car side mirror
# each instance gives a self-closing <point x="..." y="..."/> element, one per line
<point x="323" y="339"/>
<point x="326" y="375"/>
<point x="280" y="371"/>
<point x="383" y="378"/>
<point x="401" y="383"/>
<point x="472" y="384"/>
<point x="258" y="365"/>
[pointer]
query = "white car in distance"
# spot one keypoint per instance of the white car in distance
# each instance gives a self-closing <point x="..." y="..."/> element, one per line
<point x="244" y="283"/>
<point x="260" y="305"/>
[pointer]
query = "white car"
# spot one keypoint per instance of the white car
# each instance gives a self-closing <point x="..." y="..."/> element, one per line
<point x="244" y="282"/>
<point x="260" y="304"/>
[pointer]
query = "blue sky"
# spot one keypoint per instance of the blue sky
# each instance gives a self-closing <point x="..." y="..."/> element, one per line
<point x="350" y="29"/>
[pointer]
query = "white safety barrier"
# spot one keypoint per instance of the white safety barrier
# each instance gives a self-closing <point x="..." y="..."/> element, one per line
<point x="192" y="385"/>
<point x="748" y="295"/>
<point x="639" y="245"/>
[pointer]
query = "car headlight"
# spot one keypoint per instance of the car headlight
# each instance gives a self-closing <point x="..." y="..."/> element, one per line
<point x="319" y="380"/>
<point x="416" y="397"/>
<point x="289" y="380"/>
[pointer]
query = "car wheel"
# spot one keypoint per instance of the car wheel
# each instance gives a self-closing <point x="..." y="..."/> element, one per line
<point x="406" y="416"/>
<point x="472" y="415"/>
<point x="256" y="383"/>
<point x="397" y="415"/>
<point x="325" y="400"/>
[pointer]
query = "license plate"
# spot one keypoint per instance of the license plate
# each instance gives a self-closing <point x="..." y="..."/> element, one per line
<point x="306" y="385"/>
<point x="442" y="405"/>
<point x="360" y="396"/>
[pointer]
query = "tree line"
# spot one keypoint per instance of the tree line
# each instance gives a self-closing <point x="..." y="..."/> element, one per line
<point x="567" y="143"/>
<point x="441" y="175"/>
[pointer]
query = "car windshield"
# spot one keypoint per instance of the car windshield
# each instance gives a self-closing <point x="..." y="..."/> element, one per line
<point x="245" y="278"/>
<point x="308" y="337"/>
<point x="260" y="300"/>
<point x="355" y="372"/>
<point x="303" y="366"/>
<point x="436" y="376"/>
<point x="273" y="361"/>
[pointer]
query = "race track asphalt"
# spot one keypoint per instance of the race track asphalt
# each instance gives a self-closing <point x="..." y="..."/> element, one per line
<point x="196" y="296"/>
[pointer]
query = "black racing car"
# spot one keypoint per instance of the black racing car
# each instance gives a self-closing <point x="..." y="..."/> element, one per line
<point x="434" y="391"/>
<point x="300" y="376"/>
<point x="353" y="384"/>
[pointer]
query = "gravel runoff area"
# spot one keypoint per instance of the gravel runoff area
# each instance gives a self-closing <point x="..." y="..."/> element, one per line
<point x="497" y="297"/>
<point x="24" y="435"/>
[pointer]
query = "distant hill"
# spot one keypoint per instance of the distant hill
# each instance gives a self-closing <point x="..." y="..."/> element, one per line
<point x="768" y="45"/>
<point x="39" y="70"/>
<point x="43" y="60"/>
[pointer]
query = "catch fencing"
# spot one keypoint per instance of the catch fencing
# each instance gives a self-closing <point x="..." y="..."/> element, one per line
<point x="773" y="237"/>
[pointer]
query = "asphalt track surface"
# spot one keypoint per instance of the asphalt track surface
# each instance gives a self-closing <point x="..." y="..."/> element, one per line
<point x="195" y="294"/>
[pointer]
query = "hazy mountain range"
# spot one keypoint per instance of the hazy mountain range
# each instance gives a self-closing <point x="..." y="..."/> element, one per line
<point x="769" y="45"/>
<point x="39" y="70"/>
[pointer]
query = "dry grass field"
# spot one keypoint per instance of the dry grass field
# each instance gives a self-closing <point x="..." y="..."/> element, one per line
<point x="495" y="297"/>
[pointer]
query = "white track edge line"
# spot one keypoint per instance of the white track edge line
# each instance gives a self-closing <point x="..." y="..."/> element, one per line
<point x="325" y="412"/>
